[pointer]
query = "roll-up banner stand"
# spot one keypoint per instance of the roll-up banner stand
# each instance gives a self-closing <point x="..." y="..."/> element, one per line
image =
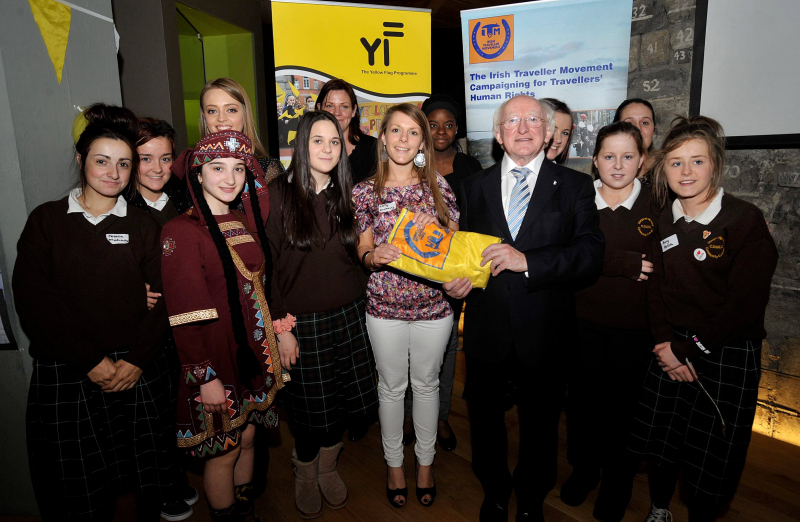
<point x="572" y="50"/>
<point x="383" y="52"/>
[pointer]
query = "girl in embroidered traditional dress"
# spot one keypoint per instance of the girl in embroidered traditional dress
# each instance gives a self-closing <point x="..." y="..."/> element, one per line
<point x="217" y="280"/>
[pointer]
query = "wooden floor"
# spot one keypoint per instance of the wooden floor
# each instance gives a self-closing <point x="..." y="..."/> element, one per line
<point x="769" y="490"/>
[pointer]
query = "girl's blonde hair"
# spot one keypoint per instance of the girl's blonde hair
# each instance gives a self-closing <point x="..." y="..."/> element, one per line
<point x="426" y="174"/>
<point x="703" y="128"/>
<point x="238" y="93"/>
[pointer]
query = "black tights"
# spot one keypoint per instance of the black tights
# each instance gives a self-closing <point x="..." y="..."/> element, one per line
<point x="663" y="480"/>
<point x="308" y="445"/>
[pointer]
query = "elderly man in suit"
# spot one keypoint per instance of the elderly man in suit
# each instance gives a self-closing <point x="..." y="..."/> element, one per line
<point x="521" y="325"/>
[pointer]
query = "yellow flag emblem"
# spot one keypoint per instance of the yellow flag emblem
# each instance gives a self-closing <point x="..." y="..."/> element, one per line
<point x="53" y="20"/>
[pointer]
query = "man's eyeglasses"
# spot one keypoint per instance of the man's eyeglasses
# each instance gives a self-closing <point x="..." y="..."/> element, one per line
<point x="513" y="123"/>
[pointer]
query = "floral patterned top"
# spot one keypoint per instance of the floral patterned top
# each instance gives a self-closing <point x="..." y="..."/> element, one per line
<point x="391" y="294"/>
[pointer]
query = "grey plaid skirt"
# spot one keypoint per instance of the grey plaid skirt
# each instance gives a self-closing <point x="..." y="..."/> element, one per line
<point x="676" y="423"/>
<point x="334" y="378"/>
<point x="86" y="447"/>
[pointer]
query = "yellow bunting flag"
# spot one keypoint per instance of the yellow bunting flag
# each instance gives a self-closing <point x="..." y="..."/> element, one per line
<point x="53" y="20"/>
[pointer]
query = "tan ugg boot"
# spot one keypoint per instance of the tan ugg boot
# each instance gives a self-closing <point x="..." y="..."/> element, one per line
<point x="333" y="489"/>
<point x="306" y="491"/>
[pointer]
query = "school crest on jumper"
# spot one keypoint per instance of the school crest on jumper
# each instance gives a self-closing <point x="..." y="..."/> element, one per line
<point x="646" y="226"/>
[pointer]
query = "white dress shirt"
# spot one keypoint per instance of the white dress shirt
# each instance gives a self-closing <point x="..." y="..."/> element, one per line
<point x="120" y="208"/>
<point x="507" y="180"/>
<point x="158" y="204"/>
<point x="705" y="217"/>
<point x="628" y="203"/>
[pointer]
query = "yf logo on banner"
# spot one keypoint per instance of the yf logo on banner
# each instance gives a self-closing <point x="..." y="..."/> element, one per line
<point x="491" y="39"/>
<point x="372" y="48"/>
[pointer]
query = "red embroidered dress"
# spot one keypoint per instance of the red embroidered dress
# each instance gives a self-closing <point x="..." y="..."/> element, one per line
<point x="197" y="302"/>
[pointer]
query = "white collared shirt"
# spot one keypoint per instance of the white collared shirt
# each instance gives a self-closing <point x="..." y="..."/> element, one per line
<point x="326" y="185"/>
<point x="158" y="204"/>
<point x="120" y="208"/>
<point x="705" y="217"/>
<point x="507" y="180"/>
<point x="628" y="203"/>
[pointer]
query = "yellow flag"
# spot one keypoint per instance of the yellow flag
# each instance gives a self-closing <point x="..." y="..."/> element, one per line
<point x="53" y="20"/>
<point x="279" y="94"/>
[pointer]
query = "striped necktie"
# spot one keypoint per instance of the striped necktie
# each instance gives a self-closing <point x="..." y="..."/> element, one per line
<point x="520" y="197"/>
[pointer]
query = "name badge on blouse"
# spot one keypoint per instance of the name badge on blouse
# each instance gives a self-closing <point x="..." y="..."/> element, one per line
<point x="117" y="239"/>
<point x="386" y="207"/>
<point x="670" y="242"/>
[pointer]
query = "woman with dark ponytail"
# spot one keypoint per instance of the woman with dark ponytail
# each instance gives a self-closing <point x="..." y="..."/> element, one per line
<point x="99" y="407"/>
<point x="313" y="235"/>
<point x="217" y="280"/>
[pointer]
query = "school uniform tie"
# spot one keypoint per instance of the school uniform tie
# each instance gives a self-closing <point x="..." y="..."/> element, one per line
<point x="520" y="197"/>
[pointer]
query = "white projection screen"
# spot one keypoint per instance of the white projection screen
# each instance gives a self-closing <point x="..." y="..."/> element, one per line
<point x="746" y="70"/>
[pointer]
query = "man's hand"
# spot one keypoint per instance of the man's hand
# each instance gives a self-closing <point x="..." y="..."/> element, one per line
<point x="458" y="288"/>
<point x="504" y="257"/>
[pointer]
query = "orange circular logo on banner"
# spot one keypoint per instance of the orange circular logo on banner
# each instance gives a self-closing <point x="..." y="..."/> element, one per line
<point x="491" y="39"/>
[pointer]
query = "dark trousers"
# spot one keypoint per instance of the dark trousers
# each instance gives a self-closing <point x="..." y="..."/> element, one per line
<point x="605" y="377"/>
<point x="540" y="393"/>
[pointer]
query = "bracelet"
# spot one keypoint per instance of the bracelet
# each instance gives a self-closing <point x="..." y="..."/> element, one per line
<point x="700" y="345"/>
<point x="364" y="258"/>
<point x="284" y="325"/>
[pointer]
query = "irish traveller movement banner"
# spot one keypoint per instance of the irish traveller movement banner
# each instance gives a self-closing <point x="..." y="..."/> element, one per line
<point x="384" y="52"/>
<point x="572" y="50"/>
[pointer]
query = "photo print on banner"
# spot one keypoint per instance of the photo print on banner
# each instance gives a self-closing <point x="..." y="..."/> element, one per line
<point x="572" y="50"/>
<point x="383" y="52"/>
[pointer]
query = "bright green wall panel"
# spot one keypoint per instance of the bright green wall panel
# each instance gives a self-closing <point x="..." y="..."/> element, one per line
<point x="231" y="56"/>
<point x="192" y="110"/>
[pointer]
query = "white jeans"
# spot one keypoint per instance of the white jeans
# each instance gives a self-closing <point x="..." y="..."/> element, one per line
<point x="396" y="345"/>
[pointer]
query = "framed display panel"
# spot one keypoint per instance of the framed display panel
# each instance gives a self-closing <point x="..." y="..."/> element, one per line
<point x="745" y="71"/>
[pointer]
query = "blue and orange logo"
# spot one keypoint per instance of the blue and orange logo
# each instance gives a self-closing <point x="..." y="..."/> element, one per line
<point x="429" y="246"/>
<point x="491" y="39"/>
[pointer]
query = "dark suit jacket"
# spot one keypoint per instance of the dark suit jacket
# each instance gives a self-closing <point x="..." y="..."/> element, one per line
<point x="561" y="239"/>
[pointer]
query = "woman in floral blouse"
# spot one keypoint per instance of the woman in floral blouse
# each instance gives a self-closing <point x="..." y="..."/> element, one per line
<point x="408" y="320"/>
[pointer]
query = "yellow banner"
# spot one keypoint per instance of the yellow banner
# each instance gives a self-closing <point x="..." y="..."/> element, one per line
<point x="384" y="53"/>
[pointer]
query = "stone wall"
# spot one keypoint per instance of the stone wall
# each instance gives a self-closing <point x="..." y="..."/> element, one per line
<point x="662" y="36"/>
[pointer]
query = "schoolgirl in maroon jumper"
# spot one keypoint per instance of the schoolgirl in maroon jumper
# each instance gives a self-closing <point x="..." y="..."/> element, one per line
<point x="614" y="340"/>
<point x="313" y="235"/>
<point x="707" y="316"/>
<point x="217" y="283"/>
<point x="99" y="408"/>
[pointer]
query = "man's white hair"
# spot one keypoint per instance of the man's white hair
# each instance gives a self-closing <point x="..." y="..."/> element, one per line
<point x="549" y="114"/>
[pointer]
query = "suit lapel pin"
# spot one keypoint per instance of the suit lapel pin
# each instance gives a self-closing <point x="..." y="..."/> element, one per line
<point x="555" y="183"/>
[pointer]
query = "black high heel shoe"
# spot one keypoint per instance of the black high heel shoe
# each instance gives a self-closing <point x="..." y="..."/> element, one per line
<point x="421" y="492"/>
<point x="392" y="493"/>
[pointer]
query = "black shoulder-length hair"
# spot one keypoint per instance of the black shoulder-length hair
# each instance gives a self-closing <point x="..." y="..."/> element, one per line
<point x="299" y="191"/>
